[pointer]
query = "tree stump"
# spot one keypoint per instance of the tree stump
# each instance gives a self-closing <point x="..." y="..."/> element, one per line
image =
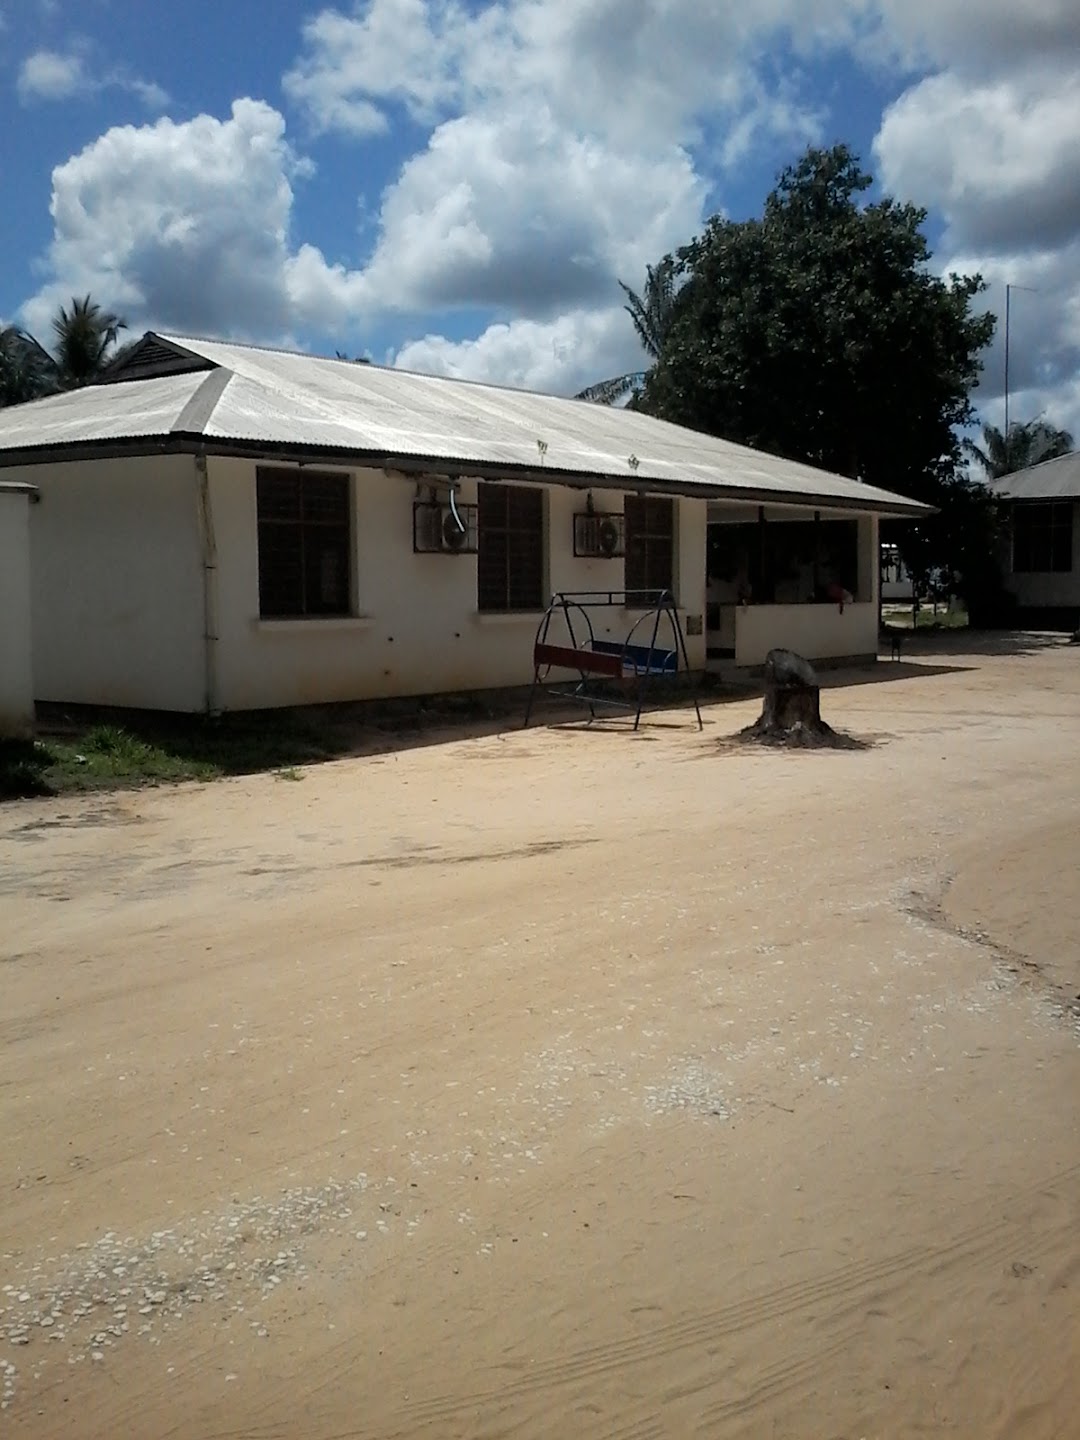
<point x="791" y="713"/>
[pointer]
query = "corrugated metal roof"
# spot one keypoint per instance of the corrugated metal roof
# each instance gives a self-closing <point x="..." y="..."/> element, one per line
<point x="282" y="398"/>
<point x="1052" y="480"/>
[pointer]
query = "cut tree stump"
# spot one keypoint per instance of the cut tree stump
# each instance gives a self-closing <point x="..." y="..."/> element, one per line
<point x="791" y="713"/>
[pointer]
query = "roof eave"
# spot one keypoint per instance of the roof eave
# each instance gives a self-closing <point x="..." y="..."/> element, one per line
<point x="178" y="442"/>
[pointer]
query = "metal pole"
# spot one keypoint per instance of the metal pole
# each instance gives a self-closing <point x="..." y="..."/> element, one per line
<point x="1008" y="291"/>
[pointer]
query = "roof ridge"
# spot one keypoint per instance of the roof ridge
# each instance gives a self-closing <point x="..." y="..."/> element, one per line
<point x="502" y="388"/>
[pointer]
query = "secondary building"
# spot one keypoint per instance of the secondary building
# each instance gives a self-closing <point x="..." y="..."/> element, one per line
<point x="1041" y="549"/>
<point x="223" y="527"/>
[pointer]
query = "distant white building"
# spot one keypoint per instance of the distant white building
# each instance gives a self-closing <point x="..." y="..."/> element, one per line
<point x="896" y="582"/>
<point x="223" y="527"/>
<point x="1041" y="552"/>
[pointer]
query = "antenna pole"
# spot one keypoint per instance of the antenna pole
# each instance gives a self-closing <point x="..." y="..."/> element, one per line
<point x="1008" y="291"/>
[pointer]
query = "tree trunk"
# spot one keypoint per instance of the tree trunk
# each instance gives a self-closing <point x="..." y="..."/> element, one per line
<point x="791" y="713"/>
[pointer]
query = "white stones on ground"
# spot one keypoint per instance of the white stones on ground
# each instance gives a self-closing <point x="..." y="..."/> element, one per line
<point x="215" y="1257"/>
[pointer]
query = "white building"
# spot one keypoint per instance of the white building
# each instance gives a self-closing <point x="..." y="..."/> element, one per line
<point x="16" y="667"/>
<point x="225" y="528"/>
<point x="1041" y="553"/>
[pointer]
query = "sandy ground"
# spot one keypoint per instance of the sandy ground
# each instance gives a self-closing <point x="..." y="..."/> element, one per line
<point x="560" y="1084"/>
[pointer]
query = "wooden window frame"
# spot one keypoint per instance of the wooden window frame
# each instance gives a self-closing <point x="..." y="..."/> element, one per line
<point x="650" y="529"/>
<point x="321" y="528"/>
<point x="511" y="562"/>
<point x="1046" y="543"/>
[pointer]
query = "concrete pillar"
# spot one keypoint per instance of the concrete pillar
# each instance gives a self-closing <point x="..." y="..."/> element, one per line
<point x="869" y="581"/>
<point x="16" y="669"/>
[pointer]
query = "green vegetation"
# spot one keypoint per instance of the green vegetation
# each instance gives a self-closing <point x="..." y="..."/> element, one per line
<point x="819" y="331"/>
<point x="84" y="345"/>
<point x="156" y="750"/>
<point x="1028" y="443"/>
<point x="82" y="749"/>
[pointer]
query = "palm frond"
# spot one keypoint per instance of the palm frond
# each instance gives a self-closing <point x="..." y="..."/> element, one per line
<point x="610" y="392"/>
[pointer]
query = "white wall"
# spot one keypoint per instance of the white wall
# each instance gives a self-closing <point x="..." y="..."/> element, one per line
<point x="1051" y="590"/>
<point x="116" y="583"/>
<point x="16" y="667"/>
<point x="417" y="629"/>
<point x="817" y="632"/>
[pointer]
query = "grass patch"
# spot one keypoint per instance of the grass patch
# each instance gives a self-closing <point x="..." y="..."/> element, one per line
<point x="898" y="617"/>
<point x="88" y="752"/>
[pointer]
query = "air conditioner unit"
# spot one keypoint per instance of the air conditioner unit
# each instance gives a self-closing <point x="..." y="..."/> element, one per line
<point x="598" y="535"/>
<point x="442" y="528"/>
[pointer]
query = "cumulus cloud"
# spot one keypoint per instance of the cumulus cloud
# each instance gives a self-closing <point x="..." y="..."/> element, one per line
<point x="561" y="133"/>
<point x="561" y="355"/>
<point x="58" y="75"/>
<point x="182" y="225"/>
<point x="401" y="51"/>
<point x="994" y="153"/>
<point x="997" y="158"/>
<point x="563" y="145"/>
<point x="995" y="35"/>
<point x="517" y="212"/>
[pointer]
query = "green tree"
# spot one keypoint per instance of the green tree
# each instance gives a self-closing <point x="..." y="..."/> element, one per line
<point x="85" y="345"/>
<point x="26" y="370"/>
<point x="83" y="336"/>
<point x="651" y="312"/>
<point x="1027" y="443"/>
<point x="819" y="332"/>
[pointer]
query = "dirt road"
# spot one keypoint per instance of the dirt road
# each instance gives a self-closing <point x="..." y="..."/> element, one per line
<point x="559" y="1083"/>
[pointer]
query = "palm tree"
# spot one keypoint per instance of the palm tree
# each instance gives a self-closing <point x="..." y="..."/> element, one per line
<point x="83" y="337"/>
<point x="652" y="312"/>
<point x="1027" y="443"/>
<point x="26" y="370"/>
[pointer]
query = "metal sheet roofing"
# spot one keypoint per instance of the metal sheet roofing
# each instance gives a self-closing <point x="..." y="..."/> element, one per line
<point x="369" y="413"/>
<point x="1052" y="480"/>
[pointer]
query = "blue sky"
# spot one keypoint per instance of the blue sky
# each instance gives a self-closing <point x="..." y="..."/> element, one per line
<point x="456" y="185"/>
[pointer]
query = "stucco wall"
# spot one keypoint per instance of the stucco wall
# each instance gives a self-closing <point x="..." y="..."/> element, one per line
<point x="1049" y="591"/>
<point x="417" y="629"/>
<point x="818" y="632"/>
<point x="116" y="583"/>
<point x="16" y="667"/>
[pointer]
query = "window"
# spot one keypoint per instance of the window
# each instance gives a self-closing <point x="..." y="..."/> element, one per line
<point x="303" y="543"/>
<point x="650" y="543"/>
<point x="1042" y="536"/>
<point x="510" y="548"/>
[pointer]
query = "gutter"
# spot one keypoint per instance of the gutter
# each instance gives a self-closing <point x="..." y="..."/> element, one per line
<point x="417" y="465"/>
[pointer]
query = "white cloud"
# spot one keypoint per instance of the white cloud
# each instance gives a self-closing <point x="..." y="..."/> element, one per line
<point x="992" y="36"/>
<point x="179" y="225"/>
<point x="561" y="356"/>
<point x="564" y="148"/>
<point x="635" y="72"/>
<point x="399" y="50"/>
<point x="995" y="156"/>
<point x="998" y="158"/>
<point x="559" y="155"/>
<point x="50" y="75"/>
<point x="512" y="211"/>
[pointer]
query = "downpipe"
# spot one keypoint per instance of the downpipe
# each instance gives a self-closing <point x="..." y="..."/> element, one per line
<point x="211" y="699"/>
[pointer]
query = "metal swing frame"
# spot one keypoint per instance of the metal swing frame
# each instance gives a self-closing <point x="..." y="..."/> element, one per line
<point x="638" y="661"/>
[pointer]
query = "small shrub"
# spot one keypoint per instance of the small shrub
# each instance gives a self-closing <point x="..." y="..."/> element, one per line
<point x="23" y="764"/>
